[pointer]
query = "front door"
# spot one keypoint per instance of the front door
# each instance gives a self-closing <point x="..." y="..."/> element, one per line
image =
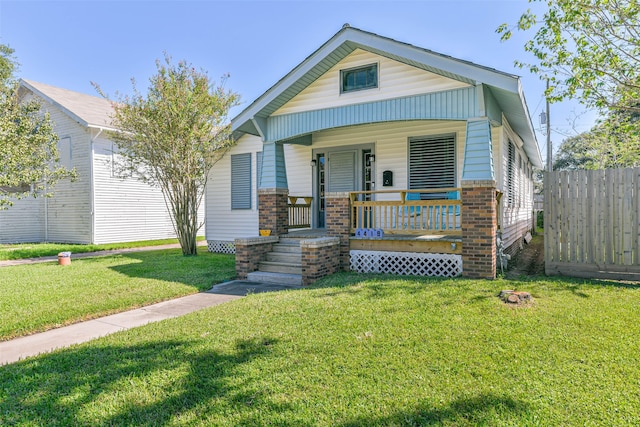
<point x="341" y="170"/>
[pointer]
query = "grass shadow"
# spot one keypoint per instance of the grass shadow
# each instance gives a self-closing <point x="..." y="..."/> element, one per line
<point x="69" y="388"/>
<point x="485" y="409"/>
<point x="202" y="271"/>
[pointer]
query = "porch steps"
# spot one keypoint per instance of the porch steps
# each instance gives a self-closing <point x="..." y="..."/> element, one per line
<point x="283" y="265"/>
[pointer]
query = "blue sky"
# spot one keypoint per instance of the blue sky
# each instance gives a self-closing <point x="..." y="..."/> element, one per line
<point x="71" y="43"/>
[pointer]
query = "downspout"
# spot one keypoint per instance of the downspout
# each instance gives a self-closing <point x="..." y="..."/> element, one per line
<point x="46" y="215"/>
<point x="92" y="185"/>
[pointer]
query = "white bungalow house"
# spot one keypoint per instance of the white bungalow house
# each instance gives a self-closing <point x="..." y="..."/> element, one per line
<point x="380" y="156"/>
<point x="99" y="207"/>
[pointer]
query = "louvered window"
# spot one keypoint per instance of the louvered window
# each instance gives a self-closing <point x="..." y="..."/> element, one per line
<point x="432" y="162"/>
<point x="511" y="179"/>
<point x="258" y="173"/>
<point x="241" y="181"/>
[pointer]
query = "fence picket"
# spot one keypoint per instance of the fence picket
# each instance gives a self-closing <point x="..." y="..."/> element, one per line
<point x="592" y="223"/>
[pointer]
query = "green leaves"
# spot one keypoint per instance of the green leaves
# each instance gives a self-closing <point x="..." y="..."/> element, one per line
<point x="589" y="49"/>
<point x="172" y="136"/>
<point x="28" y="144"/>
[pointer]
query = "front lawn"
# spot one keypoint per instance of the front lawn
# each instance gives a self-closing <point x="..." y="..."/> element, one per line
<point x="355" y="351"/>
<point x="37" y="297"/>
<point x="35" y="250"/>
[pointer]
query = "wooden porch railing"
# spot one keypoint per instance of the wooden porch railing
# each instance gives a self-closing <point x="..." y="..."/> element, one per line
<point x="429" y="211"/>
<point x="299" y="213"/>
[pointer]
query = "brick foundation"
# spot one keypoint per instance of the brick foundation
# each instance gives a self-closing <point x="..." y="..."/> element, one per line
<point x="338" y="223"/>
<point x="273" y="211"/>
<point x="320" y="257"/>
<point x="249" y="253"/>
<point x="479" y="226"/>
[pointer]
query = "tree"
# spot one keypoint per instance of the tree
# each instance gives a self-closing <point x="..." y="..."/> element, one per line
<point x="171" y="138"/>
<point x="609" y="144"/>
<point x="588" y="49"/>
<point x="28" y="145"/>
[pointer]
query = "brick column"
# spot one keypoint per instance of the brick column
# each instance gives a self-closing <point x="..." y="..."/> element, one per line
<point x="273" y="211"/>
<point x="249" y="253"/>
<point x="479" y="226"/>
<point x="338" y="223"/>
<point x="320" y="257"/>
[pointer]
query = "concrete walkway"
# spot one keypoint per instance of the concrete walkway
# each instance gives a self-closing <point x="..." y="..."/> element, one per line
<point x="31" y="345"/>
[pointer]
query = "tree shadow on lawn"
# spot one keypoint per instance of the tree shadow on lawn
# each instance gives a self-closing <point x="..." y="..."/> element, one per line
<point x="485" y="409"/>
<point x="66" y="387"/>
<point x="202" y="271"/>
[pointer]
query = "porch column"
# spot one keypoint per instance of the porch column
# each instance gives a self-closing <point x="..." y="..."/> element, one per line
<point x="338" y="223"/>
<point x="273" y="191"/>
<point x="479" y="212"/>
<point x="479" y="226"/>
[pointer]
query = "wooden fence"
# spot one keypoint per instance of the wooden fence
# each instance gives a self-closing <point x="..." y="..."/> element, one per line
<point x="592" y="223"/>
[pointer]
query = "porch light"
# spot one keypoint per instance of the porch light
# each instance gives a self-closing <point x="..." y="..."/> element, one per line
<point x="372" y="158"/>
<point x="313" y="163"/>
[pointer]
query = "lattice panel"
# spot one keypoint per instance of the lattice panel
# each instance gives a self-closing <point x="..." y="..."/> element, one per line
<point x="221" y="246"/>
<point x="406" y="263"/>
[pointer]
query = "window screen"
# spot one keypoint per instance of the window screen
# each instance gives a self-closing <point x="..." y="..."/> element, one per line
<point x="241" y="181"/>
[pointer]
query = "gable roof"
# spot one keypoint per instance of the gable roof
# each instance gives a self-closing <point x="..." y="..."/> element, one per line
<point x="87" y="110"/>
<point x="505" y="88"/>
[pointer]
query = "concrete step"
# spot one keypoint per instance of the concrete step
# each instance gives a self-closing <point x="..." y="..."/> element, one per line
<point x="279" y="278"/>
<point x="280" y="267"/>
<point x="288" y="257"/>
<point x="287" y="248"/>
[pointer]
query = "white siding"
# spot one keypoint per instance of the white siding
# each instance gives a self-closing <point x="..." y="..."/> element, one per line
<point x="223" y="223"/>
<point x="23" y="222"/>
<point x="395" y="80"/>
<point x="515" y="219"/>
<point x="127" y="209"/>
<point x="69" y="211"/>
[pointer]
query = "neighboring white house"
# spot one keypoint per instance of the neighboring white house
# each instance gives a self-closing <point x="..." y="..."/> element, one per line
<point x="99" y="207"/>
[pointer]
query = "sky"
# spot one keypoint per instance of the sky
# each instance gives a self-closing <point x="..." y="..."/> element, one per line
<point x="70" y="44"/>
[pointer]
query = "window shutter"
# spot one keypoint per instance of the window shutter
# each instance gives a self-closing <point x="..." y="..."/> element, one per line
<point x="241" y="181"/>
<point x="432" y="162"/>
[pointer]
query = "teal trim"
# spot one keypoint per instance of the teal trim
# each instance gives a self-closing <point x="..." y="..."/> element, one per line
<point x="274" y="170"/>
<point x="300" y="140"/>
<point x="459" y="104"/>
<point x="492" y="108"/>
<point x="478" y="153"/>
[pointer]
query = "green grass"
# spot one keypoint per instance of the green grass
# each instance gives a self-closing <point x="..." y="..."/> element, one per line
<point x="35" y="250"/>
<point x="41" y="296"/>
<point x="356" y="351"/>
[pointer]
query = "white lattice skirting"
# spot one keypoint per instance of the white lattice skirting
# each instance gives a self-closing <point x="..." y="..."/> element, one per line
<point x="406" y="263"/>
<point x="221" y="246"/>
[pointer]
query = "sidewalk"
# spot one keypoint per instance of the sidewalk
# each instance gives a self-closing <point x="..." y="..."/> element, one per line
<point x="9" y="263"/>
<point x="31" y="345"/>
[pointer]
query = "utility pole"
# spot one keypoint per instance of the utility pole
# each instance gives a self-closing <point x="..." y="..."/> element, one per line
<point x="549" y="147"/>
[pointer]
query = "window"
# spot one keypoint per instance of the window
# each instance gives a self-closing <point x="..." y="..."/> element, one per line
<point x="511" y="179"/>
<point x="241" y="181"/>
<point x="64" y="151"/>
<point x="258" y="173"/>
<point x="432" y="162"/>
<point x="359" y="78"/>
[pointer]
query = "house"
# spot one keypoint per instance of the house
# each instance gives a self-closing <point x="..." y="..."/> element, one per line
<point x="379" y="156"/>
<point x="100" y="206"/>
